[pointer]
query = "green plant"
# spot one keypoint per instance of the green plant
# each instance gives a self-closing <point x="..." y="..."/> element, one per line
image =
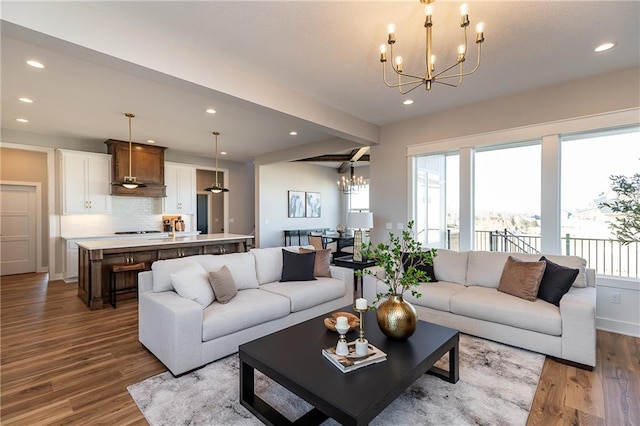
<point x="401" y="259"/>
<point x="626" y="225"/>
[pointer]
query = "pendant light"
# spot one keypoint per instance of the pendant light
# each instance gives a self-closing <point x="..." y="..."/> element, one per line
<point x="216" y="188"/>
<point x="129" y="181"/>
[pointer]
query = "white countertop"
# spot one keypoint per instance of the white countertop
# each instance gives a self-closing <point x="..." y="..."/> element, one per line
<point x="113" y="236"/>
<point x="154" y="240"/>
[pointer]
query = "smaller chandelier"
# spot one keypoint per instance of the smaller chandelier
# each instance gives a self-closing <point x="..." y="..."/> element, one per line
<point x="408" y="82"/>
<point x="351" y="185"/>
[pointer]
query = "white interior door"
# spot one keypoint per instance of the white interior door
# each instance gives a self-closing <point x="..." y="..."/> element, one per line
<point x="18" y="215"/>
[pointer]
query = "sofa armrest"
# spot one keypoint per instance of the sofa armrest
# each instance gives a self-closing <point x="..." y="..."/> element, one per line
<point x="578" y="313"/>
<point x="145" y="281"/>
<point x="170" y="326"/>
<point x="343" y="274"/>
<point x="370" y="283"/>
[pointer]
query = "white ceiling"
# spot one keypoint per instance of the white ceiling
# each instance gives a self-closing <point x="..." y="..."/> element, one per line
<point x="317" y="63"/>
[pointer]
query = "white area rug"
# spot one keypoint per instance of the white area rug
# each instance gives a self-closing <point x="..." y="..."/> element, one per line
<point x="496" y="387"/>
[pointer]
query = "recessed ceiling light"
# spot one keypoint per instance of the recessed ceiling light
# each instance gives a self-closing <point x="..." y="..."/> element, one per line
<point x="407" y="102"/>
<point x="211" y="110"/>
<point x="223" y="152"/>
<point x="22" y="120"/>
<point x="35" y="64"/>
<point x="150" y="141"/>
<point x="605" y="46"/>
<point x="293" y="133"/>
<point x="25" y="100"/>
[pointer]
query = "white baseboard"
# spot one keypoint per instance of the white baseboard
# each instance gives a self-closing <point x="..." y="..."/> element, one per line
<point x="620" y="327"/>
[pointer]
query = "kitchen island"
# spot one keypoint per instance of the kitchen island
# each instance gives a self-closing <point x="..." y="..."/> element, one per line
<point x="96" y="257"/>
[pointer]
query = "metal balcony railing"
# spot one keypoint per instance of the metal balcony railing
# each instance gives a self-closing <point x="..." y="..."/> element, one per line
<point x="606" y="256"/>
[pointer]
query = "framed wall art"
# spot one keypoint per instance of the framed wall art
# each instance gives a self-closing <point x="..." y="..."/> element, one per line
<point x="313" y="204"/>
<point x="296" y="204"/>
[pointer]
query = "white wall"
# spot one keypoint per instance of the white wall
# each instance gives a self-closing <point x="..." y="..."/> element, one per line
<point x="389" y="164"/>
<point x="622" y="317"/>
<point x="275" y="180"/>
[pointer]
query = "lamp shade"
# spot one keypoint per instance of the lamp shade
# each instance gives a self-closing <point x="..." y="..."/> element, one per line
<point x="360" y="220"/>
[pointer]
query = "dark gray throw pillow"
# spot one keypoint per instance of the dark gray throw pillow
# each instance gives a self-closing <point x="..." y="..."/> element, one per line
<point x="426" y="268"/>
<point x="556" y="281"/>
<point x="297" y="266"/>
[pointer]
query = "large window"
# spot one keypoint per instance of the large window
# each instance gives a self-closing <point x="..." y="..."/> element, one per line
<point x="507" y="197"/>
<point x="588" y="162"/>
<point x="436" y="200"/>
<point x="541" y="196"/>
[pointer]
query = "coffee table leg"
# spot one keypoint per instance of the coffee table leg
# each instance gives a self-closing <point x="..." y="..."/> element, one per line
<point x="453" y="375"/>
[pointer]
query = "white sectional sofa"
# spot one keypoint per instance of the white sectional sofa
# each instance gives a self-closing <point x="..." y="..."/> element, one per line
<point x="466" y="298"/>
<point x="185" y="335"/>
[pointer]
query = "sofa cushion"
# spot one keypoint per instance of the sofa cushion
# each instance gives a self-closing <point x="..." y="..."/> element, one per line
<point x="485" y="267"/>
<point x="223" y="285"/>
<point x="435" y="295"/>
<point x="322" y="263"/>
<point x="305" y="294"/>
<point x="249" y="308"/>
<point x="241" y="265"/>
<point x="451" y="266"/>
<point x="521" y="279"/>
<point x="269" y="262"/>
<point x="297" y="266"/>
<point x="489" y="304"/>
<point x="191" y="282"/>
<point x="556" y="281"/>
<point x="162" y="270"/>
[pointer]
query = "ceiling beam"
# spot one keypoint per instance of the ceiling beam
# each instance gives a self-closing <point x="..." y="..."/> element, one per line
<point x="334" y="158"/>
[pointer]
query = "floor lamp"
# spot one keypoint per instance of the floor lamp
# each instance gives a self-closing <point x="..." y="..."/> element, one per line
<point x="359" y="221"/>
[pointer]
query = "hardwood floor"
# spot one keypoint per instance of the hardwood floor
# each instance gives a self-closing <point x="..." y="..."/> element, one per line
<point x="52" y="372"/>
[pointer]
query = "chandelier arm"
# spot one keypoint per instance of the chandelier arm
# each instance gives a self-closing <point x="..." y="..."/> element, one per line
<point x="412" y="89"/>
<point x="384" y="75"/>
<point x="464" y="74"/>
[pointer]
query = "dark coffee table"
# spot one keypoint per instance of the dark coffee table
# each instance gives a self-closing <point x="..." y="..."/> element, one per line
<point x="292" y="357"/>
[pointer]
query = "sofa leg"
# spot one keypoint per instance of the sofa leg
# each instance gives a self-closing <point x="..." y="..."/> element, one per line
<point x="572" y="363"/>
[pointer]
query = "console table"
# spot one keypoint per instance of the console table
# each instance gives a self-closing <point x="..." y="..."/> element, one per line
<point x="289" y="234"/>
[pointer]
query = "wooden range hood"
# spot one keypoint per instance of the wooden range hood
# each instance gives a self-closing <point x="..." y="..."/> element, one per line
<point x="147" y="165"/>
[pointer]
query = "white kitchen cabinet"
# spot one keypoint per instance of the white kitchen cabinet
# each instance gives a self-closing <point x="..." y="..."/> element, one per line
<point x="180" y="180"/>
<point x="85" y="181"/>
<point x="70" y="272"/>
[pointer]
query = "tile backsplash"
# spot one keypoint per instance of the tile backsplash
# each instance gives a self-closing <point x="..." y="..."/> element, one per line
<point x="127" y="214"/>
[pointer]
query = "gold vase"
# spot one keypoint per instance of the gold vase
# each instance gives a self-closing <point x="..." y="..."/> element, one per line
<point x="397" y="318"/>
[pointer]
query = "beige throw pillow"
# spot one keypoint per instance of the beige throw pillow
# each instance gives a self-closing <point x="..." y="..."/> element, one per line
<point x="222" y="283"/>
<point x="321" y="266"/>
<point x="521" y="279"/>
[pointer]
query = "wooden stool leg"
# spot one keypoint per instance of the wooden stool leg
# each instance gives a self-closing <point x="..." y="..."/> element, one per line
<point x="112" y="290"/>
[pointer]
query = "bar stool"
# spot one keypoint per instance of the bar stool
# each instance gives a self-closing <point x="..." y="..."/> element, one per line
<point x="122" y="268"/>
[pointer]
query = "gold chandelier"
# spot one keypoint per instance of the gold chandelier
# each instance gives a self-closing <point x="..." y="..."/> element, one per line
<point x="408" y="82"/>
<point x="353" y="184"/>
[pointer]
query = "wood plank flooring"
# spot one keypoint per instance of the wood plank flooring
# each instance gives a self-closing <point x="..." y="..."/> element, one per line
<point x="63" y="364"/>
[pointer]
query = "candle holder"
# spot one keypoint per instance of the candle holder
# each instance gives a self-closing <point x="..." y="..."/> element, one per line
<point x="362" y="345"/>
<point x="342" y="348"/>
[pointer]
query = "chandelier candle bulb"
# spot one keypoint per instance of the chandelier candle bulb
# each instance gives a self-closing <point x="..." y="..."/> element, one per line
<point x="399" y="63"/>
<point x="391" y="28"/>
<point x="383" y="53"/>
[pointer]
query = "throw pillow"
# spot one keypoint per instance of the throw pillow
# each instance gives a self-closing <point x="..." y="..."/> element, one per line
<point x="297" y="266"/>
<point x="222" y="283"/>
<point x="191" y="282"/>
<point x="426" y="268"/>
<point x="321" y="266"/>
<point x="556" y="281"/>
<point x="521" y="279"/>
